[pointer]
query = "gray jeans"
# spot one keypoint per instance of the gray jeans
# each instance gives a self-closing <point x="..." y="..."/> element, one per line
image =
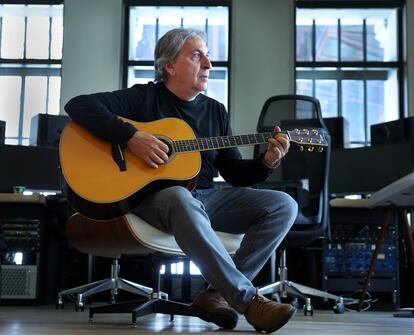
<point x="264" y="216"/>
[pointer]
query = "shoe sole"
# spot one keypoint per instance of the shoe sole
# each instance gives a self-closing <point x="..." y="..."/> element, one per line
<point x="280" y="325"/>
<point x="225" y="319"/>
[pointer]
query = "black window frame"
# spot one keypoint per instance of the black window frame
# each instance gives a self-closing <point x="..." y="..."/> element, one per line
<point x="376" y="66"/>
<point x="24" y="71"/>
<point x="126" y="63"/>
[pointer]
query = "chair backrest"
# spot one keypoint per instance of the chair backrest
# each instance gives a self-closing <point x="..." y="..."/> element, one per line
<point x="303" y="174"/>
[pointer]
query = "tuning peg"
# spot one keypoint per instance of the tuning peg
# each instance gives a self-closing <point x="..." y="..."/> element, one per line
<point x="296" y="131"/>
<point x="301" y="148"/>
<point x="320" y="149"/>
<point x="315" y="131"/>
<point x="310" y="149"/>
<point x="305" y="131"/>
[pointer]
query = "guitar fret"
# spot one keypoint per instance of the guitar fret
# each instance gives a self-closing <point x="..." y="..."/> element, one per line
<point x="238" y="140"/>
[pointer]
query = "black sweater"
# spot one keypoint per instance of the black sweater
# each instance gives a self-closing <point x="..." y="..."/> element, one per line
<point x="207" y="117"/>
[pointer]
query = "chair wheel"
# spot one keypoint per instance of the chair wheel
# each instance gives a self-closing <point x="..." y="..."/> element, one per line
<point x="339" y="308"/>
<point x="79" y="306"/>
<point x="59" y="303"/>
<point x="308" y="310"/>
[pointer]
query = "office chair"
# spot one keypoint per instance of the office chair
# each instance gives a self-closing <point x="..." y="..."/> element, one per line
<point x="91" y="239"/>
<point x="304" y="174"/>
<point x="130" y="235"/>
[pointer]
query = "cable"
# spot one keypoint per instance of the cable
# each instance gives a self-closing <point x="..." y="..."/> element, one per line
<point x="367" y="302"/>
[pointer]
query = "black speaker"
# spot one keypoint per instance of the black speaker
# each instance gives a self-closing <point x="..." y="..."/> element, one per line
<point x="338" y="129"/>
<point x="45" y="129"/>
<point x="397" y="131"/>
<point x="2" y="131"/>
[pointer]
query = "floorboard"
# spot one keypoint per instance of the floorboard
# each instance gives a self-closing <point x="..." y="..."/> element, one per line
<point x="46" y="320"/>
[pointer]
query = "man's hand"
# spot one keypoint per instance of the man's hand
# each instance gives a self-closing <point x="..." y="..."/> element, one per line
<point x="149" y="148"/>
<point x="277" y="149"/>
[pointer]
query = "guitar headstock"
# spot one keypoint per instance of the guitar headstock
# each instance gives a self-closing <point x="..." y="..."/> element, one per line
<point x="308" y="138"/>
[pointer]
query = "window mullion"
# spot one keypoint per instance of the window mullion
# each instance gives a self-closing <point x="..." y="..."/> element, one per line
<point x="21" y="114"/>
<point x="339" y="41"/>
<point x="313" y="40"/>
<point x="50" y="38"/>
<point x="365" y="112"/>
<point x="25" y="36"/>
<point x="47" y="94"/>
<point x="364" y="40"/>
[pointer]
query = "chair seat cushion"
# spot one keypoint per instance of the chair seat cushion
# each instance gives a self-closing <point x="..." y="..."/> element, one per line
<point x="157" y="240"/>
<point x="128" y="235"/>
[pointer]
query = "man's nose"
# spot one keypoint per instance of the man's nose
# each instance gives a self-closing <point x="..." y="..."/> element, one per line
<point x="206" y="63"/>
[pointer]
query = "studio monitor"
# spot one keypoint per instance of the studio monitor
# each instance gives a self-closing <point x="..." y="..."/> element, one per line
<point x="397" y="131"/>
<point x="45" y="129"/>
<point x="338" y="129"/>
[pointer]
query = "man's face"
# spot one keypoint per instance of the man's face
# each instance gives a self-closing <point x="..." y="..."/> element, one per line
<point x="190" y="71"/>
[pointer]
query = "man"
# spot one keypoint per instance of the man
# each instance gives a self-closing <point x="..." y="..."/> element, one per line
<point x="264" y="216"/>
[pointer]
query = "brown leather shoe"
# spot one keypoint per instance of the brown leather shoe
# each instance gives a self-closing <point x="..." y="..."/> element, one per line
<point x="212" y="307"/>
<point x="267" y="315"/>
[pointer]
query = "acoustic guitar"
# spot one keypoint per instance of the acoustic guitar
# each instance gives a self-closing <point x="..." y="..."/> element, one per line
<point x="105" y="181"/>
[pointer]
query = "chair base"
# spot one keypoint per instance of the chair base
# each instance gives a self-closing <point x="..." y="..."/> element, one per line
<point x="284" y="288"/>
<point x="114" y="283"/>
<point x="144" y="307"/>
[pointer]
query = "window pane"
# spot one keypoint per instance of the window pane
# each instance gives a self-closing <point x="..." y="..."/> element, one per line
<point x="12" y="39"/>
<point x="382" y="100"/>
<point x="326" y="93"/>
<point x="34" y="100"/>
<point x="144" y="31"/>
<point x="382" y="37"/>
<point x="142" y="38"/>
<point x="353" y="109"/>
<point x="304" y="40"/>
<point x="326" y="44"/>
<point x="304" y="87"/>
<point x="218" y="34"/>
<point x="140" y="75"/>
<point x="351" y="40"/>
<point x="10" y="88"/>
<point x="217" y="85"/>
<point x="54" y="96"/>
<point x="37" y="42"/>
<point x="57" y="38"/>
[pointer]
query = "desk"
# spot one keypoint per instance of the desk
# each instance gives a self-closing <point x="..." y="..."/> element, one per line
<point x="398" y="196"/>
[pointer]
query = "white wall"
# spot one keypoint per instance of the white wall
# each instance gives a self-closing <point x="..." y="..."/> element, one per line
<point x="91" y="47"/>
<point x="262" y="59"/>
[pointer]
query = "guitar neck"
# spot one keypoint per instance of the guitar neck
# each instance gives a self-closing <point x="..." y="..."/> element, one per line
<point x="222" y="142"/>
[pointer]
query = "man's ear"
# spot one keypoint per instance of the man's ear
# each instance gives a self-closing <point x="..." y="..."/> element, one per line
<point x="169" y="67"/>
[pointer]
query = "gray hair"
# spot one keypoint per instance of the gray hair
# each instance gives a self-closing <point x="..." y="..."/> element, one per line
<point x="169" y="46"/>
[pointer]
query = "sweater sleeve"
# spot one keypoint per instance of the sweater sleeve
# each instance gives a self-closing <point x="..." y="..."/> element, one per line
<point x="99" y="113"/>
<point x="241" y="172"/>
<point x="233" y="168"/>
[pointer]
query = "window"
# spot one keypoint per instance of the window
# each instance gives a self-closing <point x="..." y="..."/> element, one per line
<point x="147" y="21"/>
<point x="30" y="62"/>
<point x="350" y="59"/>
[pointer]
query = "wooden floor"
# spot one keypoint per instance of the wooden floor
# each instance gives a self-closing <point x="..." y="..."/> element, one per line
<point x="46" y="320"/>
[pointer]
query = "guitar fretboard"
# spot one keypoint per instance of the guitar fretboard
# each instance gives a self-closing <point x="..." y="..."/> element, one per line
<point x="221" y="142"/>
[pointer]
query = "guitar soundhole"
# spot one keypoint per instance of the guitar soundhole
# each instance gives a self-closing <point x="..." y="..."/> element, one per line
<point x="167" y="142"/>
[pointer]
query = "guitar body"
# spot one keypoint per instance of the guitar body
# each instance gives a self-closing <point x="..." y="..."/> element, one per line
<point x="96" y="186"/>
